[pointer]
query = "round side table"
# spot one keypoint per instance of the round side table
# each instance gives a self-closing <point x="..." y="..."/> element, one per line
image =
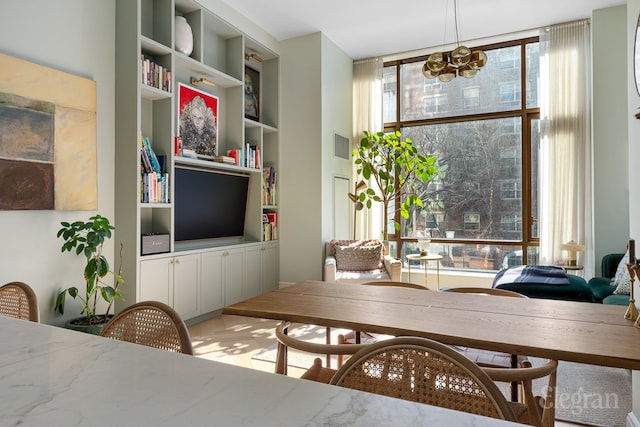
<point x="424" y="259"/>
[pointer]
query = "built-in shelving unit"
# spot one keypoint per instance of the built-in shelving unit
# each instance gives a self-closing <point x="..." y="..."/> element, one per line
<point x="201" y="277"/>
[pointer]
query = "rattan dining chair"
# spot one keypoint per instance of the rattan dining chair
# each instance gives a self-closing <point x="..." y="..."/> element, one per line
<point x="424" y="371"/>
<point x="486" y="358"/>
<point x="150" y="323"/>
<point x="537" y="411"/>
<point x="17" y="299"/>
<point x="316" y="372"/>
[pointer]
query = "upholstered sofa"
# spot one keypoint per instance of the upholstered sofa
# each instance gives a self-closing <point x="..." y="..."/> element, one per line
<point x="548" y="282"/>
<point x="603" y="288"/>
<point x="358" y="261"/>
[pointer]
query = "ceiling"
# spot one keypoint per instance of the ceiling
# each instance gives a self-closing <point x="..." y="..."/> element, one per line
<point x="367" y="28"/>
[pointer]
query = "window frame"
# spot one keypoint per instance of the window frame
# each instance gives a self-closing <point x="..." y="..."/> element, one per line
<point x="526" y="219"/>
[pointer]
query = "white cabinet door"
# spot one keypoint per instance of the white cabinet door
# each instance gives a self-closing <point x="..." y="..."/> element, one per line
<point x="211" y="282"/>
<point x="261" y="269"/>
<point x="186" y="275"/>
<point x="173" y="281"/>
<point x="270" y="268"/>
<point x="233" y="273"/>
<point x="253" y="279"/>
<point x="156" y="276"/>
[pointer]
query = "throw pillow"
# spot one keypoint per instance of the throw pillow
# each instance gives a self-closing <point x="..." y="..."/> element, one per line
<point x="358" y="258"/>
<point x="622" y="281"/>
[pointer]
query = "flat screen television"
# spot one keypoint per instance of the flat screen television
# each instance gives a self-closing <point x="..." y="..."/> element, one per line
<point x="209" y="204"/>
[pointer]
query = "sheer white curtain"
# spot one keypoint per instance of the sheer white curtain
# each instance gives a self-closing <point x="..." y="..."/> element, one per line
<point x="565" y="142"/>
<point x="367" y="115"/>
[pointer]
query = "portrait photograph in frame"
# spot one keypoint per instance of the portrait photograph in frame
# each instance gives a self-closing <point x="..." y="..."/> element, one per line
<point x="198" y="122"/>
<point x="251" y="94"/>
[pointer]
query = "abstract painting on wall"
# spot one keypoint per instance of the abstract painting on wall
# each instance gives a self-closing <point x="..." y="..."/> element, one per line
<point x="47" y="138"/>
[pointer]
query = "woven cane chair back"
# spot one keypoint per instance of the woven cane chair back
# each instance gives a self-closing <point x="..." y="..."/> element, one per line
<point x="150" y="323"/>
<point x="18" y="300"/>
<point x="424" y="371"/>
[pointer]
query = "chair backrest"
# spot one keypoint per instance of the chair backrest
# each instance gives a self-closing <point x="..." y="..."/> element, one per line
<point x="150" y="323"/>
<point x="395" y="284"/>
<point x="424" y="371"/>
<point x="539" y="411"/>
<point x="286" y="342"/>
<point x="18" y="300"/>
<point x="486" y="291"/>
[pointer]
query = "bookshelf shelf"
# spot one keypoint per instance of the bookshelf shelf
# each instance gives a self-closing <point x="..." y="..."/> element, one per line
<point x="145" y="30"/>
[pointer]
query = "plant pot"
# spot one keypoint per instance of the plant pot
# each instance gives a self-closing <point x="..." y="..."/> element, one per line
<point x="81" y="324"/>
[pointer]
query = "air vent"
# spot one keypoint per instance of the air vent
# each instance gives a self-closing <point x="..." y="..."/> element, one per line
<point x="341" y="146"/>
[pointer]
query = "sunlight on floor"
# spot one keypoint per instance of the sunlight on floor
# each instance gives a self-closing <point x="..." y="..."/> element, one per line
<point x="235" y="339"/>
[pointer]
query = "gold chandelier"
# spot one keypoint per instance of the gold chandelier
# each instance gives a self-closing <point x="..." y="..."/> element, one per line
<point x="461" y="61"/>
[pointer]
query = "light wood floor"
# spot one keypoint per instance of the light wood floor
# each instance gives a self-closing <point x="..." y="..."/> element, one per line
<point x="234" y="339"/>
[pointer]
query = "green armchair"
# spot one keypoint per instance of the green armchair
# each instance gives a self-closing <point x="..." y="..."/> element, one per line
<point x="602" y="287"/>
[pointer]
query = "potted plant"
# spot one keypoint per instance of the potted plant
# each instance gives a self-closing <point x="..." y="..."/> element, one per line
<point x="397" y="168"/>
<point x="87" y="239"/>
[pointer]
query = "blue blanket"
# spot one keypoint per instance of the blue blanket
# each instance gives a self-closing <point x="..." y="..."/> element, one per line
<point x="532" y="274"/>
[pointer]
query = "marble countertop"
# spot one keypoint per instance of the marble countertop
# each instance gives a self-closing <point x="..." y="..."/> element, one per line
<point x="51" y="376"/>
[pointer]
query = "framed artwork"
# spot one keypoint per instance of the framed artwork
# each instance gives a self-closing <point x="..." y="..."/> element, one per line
<point x="251" y="94"/>
<point x="48" y="138"/>
<point x="198" y="122"/>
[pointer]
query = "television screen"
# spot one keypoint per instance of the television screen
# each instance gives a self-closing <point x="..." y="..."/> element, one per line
<point x="209" y="204"/>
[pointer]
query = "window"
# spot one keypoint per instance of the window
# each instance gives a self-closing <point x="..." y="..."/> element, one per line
<point x="487" y="135"/>
<point x="509" y="92"/>
<point x="434" y="104"/>
<point x="471" y="97"/>
<point x="510" y="189"/>
<point x="472" y="221"/>
<point x="511" y="223"/>
<point x="509" y="157"/>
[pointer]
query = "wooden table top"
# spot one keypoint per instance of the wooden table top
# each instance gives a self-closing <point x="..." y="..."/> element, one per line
<point x="564" y="330"/>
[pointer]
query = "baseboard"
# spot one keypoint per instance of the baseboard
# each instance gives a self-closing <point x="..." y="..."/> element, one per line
<point x="632" y="420"/>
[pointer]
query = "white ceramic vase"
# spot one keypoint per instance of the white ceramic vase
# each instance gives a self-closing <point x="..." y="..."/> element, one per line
<point x="184" y="36"/>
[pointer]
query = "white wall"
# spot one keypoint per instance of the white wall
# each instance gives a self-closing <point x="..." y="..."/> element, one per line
<point x="300" y="183"/>
<point x="75" y="36"/>
<point x="633" y="10"/>
<point x="337" y="117"/>
<point x="610" y="147"/>
<point x="316" y="91"/>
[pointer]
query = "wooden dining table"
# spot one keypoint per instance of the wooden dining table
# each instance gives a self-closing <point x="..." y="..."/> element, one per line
<point x="580" y="332"/>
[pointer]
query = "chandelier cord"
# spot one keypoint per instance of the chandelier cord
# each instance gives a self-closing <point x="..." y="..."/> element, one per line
<point x="455" y="18"/>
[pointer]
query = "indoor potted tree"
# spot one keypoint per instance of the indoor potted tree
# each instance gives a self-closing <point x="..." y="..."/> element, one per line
<point x="87" y="239"/>
<point x="397" y="167"/>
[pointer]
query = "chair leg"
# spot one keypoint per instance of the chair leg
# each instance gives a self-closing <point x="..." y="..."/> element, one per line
<point x="514" y="385"/>
<point x="282" y="357"/>
<point x="328" y="342"/>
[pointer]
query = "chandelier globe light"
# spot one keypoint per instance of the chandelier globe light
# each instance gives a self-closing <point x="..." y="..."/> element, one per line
<point x="461" y="61"/>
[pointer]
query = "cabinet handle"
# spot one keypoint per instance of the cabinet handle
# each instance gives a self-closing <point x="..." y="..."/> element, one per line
<point x="177" y="261"/>
<point x="263" y="248"/>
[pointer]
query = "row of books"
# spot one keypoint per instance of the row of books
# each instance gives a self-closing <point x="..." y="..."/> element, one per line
<point x="270" y="226"/>
<point x="269" y="186"/>
<point x="155" y="188"/>
<point x="155" y="75"/>
<point x="149" y="160"/>
<point x="249" y="156"/>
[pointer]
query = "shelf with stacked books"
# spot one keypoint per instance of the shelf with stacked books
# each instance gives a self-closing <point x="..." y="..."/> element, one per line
<point x="150" y="71"/>
<point x="269" y="199"/>
<point x="154" y="180"/>
<point x="269" y="225"/>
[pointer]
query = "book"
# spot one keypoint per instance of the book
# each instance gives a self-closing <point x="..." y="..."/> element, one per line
<point x="225" y="159"/>
<point x="152" y="155"/>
